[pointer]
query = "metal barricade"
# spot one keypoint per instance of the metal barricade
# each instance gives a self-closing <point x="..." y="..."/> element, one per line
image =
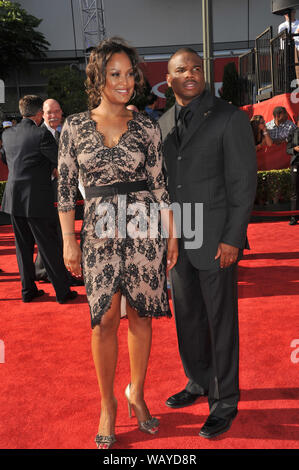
<point x="247" y="78"/>
<point x="263" y="63"/>
<point x="280" y="59"/>
<point x="271" y="68"/>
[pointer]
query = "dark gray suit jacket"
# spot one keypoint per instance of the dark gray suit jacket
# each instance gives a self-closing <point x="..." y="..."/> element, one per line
<point x="293" y="141"/>
<point x="31" y="152"/>
<point x="214" y="165"/>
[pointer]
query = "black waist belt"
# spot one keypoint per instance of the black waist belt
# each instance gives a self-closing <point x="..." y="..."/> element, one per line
<point x="116" y="188"/>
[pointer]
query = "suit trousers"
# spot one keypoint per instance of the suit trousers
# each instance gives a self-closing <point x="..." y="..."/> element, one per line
<point x="295" y="188"/>
<point x="40" y="270"/>
<point x="206" y="314"/>
<point x="43" y="232"/>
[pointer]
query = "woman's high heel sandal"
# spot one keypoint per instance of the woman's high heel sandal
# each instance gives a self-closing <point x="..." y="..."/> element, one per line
<point x="105" y="442"/>
<point x="151" y="425"/>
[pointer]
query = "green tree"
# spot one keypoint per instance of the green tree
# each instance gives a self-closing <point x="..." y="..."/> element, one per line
<point x="19" y="41"/>
<point x="231" y="84"/>
<point x="66" y="85"/>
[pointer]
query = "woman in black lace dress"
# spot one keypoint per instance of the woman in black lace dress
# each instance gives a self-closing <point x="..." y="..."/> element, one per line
<point x="116" y="154"/>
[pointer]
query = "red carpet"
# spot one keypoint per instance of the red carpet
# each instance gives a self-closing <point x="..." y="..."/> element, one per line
<point x="49" y="394"/>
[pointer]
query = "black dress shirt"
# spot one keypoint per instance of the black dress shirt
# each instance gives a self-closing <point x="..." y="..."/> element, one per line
<point x="184" y="114"/>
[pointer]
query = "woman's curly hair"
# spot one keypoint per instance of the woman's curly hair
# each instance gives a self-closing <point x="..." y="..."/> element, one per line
<point x="96" y="68"/>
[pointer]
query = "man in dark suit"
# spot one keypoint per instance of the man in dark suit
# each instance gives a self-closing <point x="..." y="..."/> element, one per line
<point x="52" y="115"/>
<point x="293" y="150"/>
<point x="30" y="153"/>
<point x="210" y="159"/>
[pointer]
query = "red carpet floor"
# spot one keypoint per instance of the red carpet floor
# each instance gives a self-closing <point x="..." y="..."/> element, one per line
<point x="49" y="394"/>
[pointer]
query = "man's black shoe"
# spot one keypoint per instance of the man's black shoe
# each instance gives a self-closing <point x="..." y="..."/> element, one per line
<point x="30" y="297"/>
<point x="293" y="221"/>
<point x="74" y="281"/>
<point x="43" y="279"/>
<point x="71" y="295"/>
<point x="182" y="399"/>
<point x="214" y="426"/>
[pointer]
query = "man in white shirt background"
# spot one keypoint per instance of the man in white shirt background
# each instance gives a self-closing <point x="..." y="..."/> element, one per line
<point x="294" y="24"/>
<point x="294" y="30"/>
<point x="280" y="128"/>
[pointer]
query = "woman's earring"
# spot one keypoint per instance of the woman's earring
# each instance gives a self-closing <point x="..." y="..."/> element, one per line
<point x="100" y="94"/>
<point x="133" y="96"/>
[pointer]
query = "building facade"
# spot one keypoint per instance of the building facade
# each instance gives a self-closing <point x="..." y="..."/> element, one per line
<point x="156" y="28"/>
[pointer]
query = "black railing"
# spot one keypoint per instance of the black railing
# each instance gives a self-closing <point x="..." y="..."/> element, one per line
<point x="247" y="77"/>
<point x="263" y="61"/>
<point x="280" y="59"/>
<point x="270" y="68"/>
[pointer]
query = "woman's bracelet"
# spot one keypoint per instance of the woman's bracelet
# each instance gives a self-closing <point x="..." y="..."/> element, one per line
<point x="69" y="233"/>
<point x="265" y="133"/>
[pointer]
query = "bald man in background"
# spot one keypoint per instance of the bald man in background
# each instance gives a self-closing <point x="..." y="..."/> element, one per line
<point x="52" y="115"/>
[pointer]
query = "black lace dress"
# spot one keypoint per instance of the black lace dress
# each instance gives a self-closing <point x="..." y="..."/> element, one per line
<point x="113" y="260"/>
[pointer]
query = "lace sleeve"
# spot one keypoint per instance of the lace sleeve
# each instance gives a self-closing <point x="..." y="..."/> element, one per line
<point x="154" y="166"/>
<point x="68" y="170"/>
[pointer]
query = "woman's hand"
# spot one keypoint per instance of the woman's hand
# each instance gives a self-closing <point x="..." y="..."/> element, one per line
<point x="172" y="253"/>
<point x="72" y="256"/>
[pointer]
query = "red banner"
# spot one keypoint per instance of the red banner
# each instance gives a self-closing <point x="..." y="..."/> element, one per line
<point x="3" y="171"/>
<point x="155" y="73"/>
<point x="274" y="157"/>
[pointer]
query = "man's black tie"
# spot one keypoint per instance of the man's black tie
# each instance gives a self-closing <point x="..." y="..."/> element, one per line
<point x="57" y="135"/>
<point x="183" y="120"/>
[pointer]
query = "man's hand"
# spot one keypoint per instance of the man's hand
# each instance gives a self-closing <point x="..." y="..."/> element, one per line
<point x="228" y="254"/>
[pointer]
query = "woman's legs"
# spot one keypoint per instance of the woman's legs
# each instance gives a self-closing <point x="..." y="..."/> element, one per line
<point x="104" y="351"/>
<point x="139" y="344"/>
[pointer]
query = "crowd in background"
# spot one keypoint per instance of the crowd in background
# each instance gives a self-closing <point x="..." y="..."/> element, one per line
<point x="276" y="132"/>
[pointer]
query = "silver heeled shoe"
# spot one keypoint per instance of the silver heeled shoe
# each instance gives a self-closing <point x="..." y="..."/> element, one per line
<point x="151" y="425"/>
<point x="105" y="442"/>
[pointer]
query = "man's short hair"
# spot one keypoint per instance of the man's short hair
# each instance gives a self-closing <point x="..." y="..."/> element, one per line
<point x="30" y="105"/>
<point x="279" y="110"/>
<point x="181" y="51"/>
